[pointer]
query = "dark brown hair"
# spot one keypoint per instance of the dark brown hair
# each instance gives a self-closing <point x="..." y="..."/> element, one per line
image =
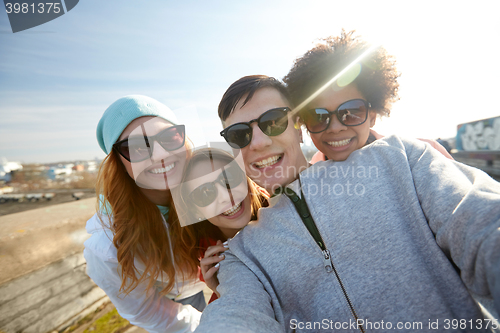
<point x="377" y="80"/>
<point x="248" y="85"/>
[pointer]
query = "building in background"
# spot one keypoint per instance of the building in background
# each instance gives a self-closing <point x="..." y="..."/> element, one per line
<point x="478" y="144"/>
<point x="7" y="170"/>
<point x="60" y="171"/>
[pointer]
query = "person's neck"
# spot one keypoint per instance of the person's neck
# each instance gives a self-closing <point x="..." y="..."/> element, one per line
<point x="301" y="166"/>
<point x="158" y="197"/>
<point x="228" y="232"/>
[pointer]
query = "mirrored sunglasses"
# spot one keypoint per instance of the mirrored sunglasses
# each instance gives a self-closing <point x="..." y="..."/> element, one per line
<point x="351" y="113"/>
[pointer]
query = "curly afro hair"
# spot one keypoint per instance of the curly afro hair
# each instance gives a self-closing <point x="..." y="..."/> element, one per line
<point x="377" y="80"/>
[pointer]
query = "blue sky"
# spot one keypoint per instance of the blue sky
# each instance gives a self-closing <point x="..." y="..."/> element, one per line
<point x="57" y="79"/>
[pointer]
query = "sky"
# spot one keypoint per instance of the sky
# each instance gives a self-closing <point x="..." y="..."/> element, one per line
<point x="57" y="79"/>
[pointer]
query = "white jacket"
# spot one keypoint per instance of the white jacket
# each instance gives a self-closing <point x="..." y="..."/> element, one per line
<point x="144" y="308"/>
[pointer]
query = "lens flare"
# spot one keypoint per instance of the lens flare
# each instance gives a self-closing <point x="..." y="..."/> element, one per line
<point x="349" y="76"/>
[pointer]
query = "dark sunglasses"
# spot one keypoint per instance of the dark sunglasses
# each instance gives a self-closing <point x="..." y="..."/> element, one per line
<point x="350" y="113"/>
<point x="140" y="148"/>
<point x="272" y="122"/>
<point x="205" y="194"/>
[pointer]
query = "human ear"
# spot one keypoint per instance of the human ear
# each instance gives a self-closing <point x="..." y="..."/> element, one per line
<point x="297" y="127"/>
<point x="373" y="118"/>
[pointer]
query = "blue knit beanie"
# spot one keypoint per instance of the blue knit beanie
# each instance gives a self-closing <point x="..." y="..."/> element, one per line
<point x="122" y="112"/>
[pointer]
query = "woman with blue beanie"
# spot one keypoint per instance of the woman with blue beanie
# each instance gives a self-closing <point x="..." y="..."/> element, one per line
<point x="136" y="252"/>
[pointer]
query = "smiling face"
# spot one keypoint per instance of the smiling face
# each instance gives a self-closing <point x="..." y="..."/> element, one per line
<point x="228" y="210"/>
<point x="271" y="161"/>
<point x="164" y="169"/>
<point x="338" y="141"/>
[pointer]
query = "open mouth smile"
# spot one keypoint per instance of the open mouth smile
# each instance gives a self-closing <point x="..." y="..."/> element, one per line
<point x="268" y="161"/>
<point x="340" y="143"/>
<point x="233" y="210"/>
<point x="166" y="169"/>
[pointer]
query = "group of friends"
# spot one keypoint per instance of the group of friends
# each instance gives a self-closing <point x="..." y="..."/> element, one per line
<point x="373" y="234"/>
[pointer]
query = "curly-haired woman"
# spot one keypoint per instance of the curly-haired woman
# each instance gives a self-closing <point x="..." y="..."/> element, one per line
<point x="356" y="98"/>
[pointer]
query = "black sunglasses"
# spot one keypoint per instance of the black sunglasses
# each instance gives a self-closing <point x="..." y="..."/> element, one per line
<point x="140" y="148"/>
<point x="351" y="113"/>
<point x="272" y="122"/>
<point x="205" y="194"/>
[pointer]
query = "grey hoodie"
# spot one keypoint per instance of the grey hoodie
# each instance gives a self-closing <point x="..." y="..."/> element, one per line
<point x="399" y="221"/>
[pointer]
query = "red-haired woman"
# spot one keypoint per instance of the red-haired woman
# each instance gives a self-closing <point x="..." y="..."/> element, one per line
<point x="136" y="253"/>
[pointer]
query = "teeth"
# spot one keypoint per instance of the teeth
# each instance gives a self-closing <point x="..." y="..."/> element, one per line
<point x="163" y="170"/>
<point x="339" y="143"/>
<point x="233" y="210"/>
<point x="267" y="162"/>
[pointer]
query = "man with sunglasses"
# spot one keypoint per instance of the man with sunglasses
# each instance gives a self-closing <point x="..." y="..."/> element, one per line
<point x="358" y="245"/>
<point x="256" y="115"/>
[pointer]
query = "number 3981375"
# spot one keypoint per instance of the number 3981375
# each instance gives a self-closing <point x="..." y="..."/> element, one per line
<point x="39" y="8"/>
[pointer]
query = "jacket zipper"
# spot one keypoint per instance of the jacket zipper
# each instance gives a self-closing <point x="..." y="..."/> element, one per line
<point x="304" y="213"/>
<point x="328" y="268"/>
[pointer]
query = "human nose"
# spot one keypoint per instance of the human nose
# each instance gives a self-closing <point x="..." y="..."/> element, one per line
<point x="335" y="126"/>
<point x="259" y="139"/>
<point x="224" y="196"/>
<point x="159" y="153"/>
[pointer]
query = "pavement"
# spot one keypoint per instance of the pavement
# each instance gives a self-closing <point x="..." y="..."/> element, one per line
<point x="60" y="196"/>
<point x="32" y="239"/>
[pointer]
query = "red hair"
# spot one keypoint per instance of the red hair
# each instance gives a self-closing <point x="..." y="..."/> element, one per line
<point x="139" y="231"/>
